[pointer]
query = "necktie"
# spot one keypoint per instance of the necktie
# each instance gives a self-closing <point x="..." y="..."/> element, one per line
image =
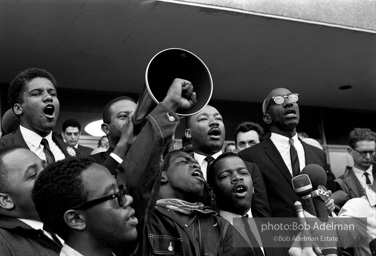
<point x="368" y="181"/>
<point x="51" y="236"/>
<point x="251" y="237"/>
<point x="209" y="159"/>
<point x="47" y="151"/>
<point x="294" y="158"/>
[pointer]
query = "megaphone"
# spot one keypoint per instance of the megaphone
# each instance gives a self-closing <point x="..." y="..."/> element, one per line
<point x="161" y="71"/>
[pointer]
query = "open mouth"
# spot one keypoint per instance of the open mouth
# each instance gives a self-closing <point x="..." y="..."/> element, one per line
<point x="49" y="111"/>
<point x="132" y="219"/>
<point x="240" y="190"/>
<point x="215" y="132"/>
<point x="198" y="174"/>
<point x="290" y="113"/>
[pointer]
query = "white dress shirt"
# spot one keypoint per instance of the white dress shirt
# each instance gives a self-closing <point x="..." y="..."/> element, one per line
<point x="33" y="140"/>
<point x="362" y="178"/>
<point x="203" y="164"/>
<point x="283" y="146"/>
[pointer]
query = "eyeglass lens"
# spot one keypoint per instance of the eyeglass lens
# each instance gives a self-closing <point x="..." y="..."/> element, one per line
<point x="280" y="99"/>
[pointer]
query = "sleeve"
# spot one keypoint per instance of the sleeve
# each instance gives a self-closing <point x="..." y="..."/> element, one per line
<point x="140" y="170"/>
<point x="260" y="202"/>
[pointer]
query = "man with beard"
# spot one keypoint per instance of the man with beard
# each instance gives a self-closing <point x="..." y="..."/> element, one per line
<point x="32" y="96"/>
<point x="206" y="131"/>
<point x="283" y="155"/>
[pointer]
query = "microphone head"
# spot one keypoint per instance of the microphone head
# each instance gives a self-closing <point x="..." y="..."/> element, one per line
<point x="316" y="174"/>
<point x="302" y="184"/>
<point x="298" y="206"/>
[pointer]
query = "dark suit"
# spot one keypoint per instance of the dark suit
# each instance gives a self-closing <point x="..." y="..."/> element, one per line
<point x="17" y="238"/>
<point x="17" y="140"/>
<point x="106" y="160"/>
<point x="84" y="151"/>
<point x="276" y="175"/>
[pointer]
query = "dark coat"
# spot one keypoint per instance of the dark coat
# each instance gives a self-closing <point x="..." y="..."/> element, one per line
<point x="17" y="140"/>
<point x="276" y="175"/>
<point x="17" y="238"/>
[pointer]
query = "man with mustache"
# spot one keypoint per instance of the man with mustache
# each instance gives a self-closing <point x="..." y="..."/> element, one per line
<point x="281" y="113"/>
<point x="33" y="97"/>
<point x="206" y="131"/>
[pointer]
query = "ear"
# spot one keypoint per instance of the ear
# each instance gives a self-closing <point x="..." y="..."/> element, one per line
<point x="164" y="178"/>
<point x="349" y="150"/>
<point x="75" y="219"/>
<point x="188" y="133"/>
<point x="6" y="202"/>
<point x="17" y="109"/>
<point x="105" y="128"/>
<point x="267" y="119"/>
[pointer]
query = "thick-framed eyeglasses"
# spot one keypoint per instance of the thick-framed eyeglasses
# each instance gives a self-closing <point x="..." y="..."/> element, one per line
<point x="120" y="195"/>
<point x="363" y="154"/>
<point x="293" y="97"/>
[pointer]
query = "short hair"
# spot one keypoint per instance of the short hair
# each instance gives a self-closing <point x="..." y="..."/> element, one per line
<point x="4" y="169"/>
<point x="360" y="134"/>
<point x="248" y="126"/>
<point x="210" y="175"/>
<point x="106" y="113"/>
<point x="100" y="140"/>
<point x="17" y="86"/>
<point x="59" y="188"/>
<point x="228" y="144"/>
<point x="71" y="123"/>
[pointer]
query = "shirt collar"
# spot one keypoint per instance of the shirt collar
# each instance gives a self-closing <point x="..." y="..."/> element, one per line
<point x="32" y="223"/>
<point x="200" y="158"/>
<point x="229" y="216"/>
<point x="360" y="172"/>
<point x="32" y="137"/>
<point x="371" y="196"/>
<point x="282" y="140"/>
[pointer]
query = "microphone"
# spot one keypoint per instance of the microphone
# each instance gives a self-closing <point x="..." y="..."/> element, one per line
<point x="303" y="187"/>
<point x="320" y="195"/>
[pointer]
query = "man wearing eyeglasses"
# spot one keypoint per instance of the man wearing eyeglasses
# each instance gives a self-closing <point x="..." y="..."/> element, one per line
<point x="355" y="179"/>
<point x="282" y="156"/>
<point x="82" y="202"/>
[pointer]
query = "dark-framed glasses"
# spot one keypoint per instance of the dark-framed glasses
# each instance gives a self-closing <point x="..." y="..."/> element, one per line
<point x="293" y="98"/>
<point x="120" y="195"/>
<point x="363" y="154"/>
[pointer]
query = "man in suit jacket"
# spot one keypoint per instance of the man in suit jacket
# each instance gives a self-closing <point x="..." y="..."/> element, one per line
<point x="21" y="231"/>
<point x="281" y="114"/>
<point x="33" y="98"/>
<point x="206" y="131"/>
<point x="71" y="133"/>
<point x="117" y="125"/>
<point x="355" y="179"/>
<point x="230" y="178"/>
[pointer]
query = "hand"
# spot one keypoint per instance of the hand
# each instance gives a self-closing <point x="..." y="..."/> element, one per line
<point x="126" y="139"/>
<point x="180" y="95"/>
<point x="330" y="206"/>
<point x="298" y="249"/>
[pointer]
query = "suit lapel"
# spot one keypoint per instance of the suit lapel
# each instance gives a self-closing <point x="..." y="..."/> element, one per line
<point x="65" y="148"/>
<point x="19" y="140"/>
<point x="275" y="157"/>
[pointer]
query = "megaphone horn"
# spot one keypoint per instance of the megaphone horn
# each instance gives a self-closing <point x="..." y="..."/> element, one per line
<point x="161" y="71"/>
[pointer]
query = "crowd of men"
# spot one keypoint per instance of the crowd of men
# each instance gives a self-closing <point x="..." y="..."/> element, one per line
<point x="141" y="196"/>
